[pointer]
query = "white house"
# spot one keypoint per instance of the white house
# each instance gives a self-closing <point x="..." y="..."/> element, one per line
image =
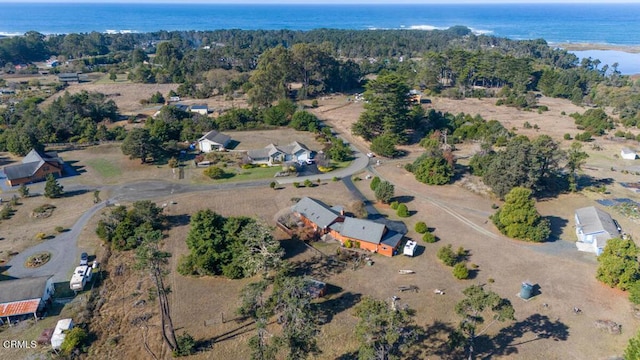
<point x="273" y="154"/>
<point x="200" y="109"/>
<point x="594" y="228"/>
<point x="628" y="154"/>
<point x="213" y="141"/>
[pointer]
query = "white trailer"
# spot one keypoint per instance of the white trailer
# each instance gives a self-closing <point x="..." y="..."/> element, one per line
<point x="60" y="332"/>
<point x="80" y="276"/>
<point x="410" y="248"/>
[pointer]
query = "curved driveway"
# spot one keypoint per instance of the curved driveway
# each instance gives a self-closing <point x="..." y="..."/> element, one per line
<point x="63" y="249"/>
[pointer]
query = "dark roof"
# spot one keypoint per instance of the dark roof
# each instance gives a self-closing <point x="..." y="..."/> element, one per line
<point x="365" y="230"/>
<point x="30" y="164"/>
<point x="392" y="238"/>
<point x="22" y="289"/>
<point x="199" y="107"/>
<point x="216" y="137"/>
<point x="316" y="211"/>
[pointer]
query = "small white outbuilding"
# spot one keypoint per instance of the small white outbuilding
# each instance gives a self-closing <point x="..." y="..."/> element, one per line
<point x="60" y="332"/>
<point x="628" y="154"/>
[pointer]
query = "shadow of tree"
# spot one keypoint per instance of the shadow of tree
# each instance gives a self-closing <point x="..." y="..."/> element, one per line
<point x="178" y="220"/>
<point x="319" y="267"/>
<point x="331" y="307"/>
<point x="535" y="327"/>
<point x="557" y="225"/>
<point x="433" y="340"/>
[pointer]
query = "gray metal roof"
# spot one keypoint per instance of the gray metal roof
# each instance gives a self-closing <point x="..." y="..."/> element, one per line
<point x="216" y="137"/>
<point x="365" y="230"/>
<point x="392" y="238"/>
<point x="22" y="289"/>
<point x="271" y="149"/>
<point x="595" y="221"/>
<point x="316" y="211"/>
<point x="30" y="164"/>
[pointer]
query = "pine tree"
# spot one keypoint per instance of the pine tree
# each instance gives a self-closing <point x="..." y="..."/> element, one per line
<point x="52" y="189"/>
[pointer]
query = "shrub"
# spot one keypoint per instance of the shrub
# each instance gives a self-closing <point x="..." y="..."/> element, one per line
<point x="634" y="293"/>
<point x="308" y="183"/>
<point x="460" y="271"/>
<point x="421" y="227"/>
<point x="75" y="339"/>
<point x="567" y="136"/>
<point x="348" y="244"/>
<point x="335" y="178"/>
<point x="273" y="185"/>
<point x="394" y="205"/>
<point x="374" y="183"/>
<point x="384" y="191"/>
<point x="325" y="169"/>
<point x="314" y="103"/>
<point x="41" y="236"/>
<point x="59" y="229"/>
<point x="214" y="172"/>
<point x="429" y="238"/>
<point x="447" y="256"/>
<point x="247" y="166"/>
<point x="403" y="211"/>
<point x="491" y="280"/>
<point x="296" y="184"/>
<point x="186" y="345"/>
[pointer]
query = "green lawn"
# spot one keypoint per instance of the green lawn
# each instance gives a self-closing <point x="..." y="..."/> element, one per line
<point x="258" y="173"/>
<point x="105" y="168"/>
<point x="122" y="79"/>
<point x="341" y="164"/>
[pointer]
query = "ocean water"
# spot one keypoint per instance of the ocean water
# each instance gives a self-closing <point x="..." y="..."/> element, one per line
<point x="615" y="24"/>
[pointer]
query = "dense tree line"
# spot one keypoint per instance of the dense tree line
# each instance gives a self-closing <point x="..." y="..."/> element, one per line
<point x="81" y="117"/>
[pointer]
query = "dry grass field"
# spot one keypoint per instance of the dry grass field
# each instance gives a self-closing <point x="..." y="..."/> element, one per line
<point x="459" y="217"/>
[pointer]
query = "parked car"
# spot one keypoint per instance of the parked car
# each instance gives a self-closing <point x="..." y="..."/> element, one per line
<point x="371" y="155"/>
<point x="84" y="259"/>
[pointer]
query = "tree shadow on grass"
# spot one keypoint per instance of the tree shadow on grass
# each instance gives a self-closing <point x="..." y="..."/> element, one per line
<point x="293" y="247"/>
<point x="535" y="327"/>
<point x="178" y="220"/>
<point x="557" y="225"/>
<point x="319" y="267"/>
<point x="329" y="308"/>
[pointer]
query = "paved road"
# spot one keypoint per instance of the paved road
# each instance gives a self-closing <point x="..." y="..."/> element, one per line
<point x="63" y="249"/>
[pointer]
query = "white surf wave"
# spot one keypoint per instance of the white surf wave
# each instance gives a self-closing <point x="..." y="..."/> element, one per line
<point x="124" y="31"/>
<point x="8" y="34"/>
<point x="425" y="27"/>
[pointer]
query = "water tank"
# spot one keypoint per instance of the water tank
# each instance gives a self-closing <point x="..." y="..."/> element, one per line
<point x="526" y="290"/>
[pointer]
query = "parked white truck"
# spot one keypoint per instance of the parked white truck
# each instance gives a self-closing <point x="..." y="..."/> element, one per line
<point x="81" y="276"/>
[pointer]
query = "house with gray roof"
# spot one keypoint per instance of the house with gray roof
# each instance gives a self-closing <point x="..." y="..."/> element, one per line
<point x="317" y="214"/>
<point x="24" y="296"/>
<point x="367" y="234"/>
<point x="34" y="167"/>
<point x="213" y="141"/>
<point x="594" y="228"/>
<point x="273" y="154"/>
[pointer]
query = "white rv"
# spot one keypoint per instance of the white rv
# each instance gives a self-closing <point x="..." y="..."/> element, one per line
<point x="60" y="332"/>
<point x="410" y="248"/>
<point x="81" y="275"/>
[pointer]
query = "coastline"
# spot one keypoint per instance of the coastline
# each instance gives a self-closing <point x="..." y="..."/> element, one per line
<point x="632" y="49"/>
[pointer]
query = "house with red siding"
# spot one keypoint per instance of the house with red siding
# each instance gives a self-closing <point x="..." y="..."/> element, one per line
<point x="361" y="233"/>
<point x="34" y="167"/>
<point x="318" y="215"/>
<point x="368" y="235"/>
